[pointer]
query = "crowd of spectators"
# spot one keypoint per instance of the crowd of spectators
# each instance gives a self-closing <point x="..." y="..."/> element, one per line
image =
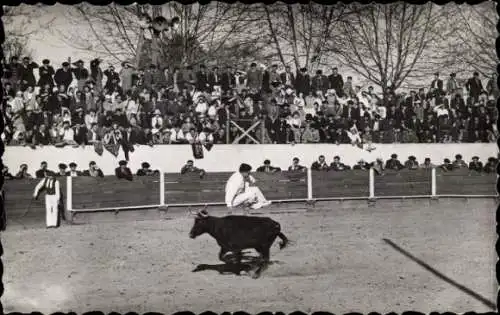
<point x="123" y="172"/>
<point x="75" y="105"/>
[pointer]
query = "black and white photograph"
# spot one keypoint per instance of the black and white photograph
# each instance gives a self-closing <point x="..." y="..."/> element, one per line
<point x="250" y="157"/>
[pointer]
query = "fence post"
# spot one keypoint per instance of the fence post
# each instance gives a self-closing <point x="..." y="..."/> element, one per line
<point x="309" y="184"/>
<point x="433" y="183"/>
<point x="162" y="188"/>
<point x="69" y="193"/>
<point x="372" y="183"/>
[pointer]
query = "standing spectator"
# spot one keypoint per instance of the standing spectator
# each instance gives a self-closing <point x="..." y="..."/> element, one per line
<point x="46" y="72"/>
<point x="349" y="88"/>
<point x="64" y="76"/>
<point x="123" y="172"/>
<point x="81" y="74"/>
<point x="452" y="85"/>
<point x="393" y="163"/>
<point x="412" y="163"/>
<point x="447" y="166"/>
<point x="475" y="87"/>
<point x="14" y="68"/>
<point x="93" y="171"/>
<point x="254" y="78"/>
<point x="146" y="171"/>
<point x="26" y="75"/>
<point x="190" y="168"/>
<point x="337" y="166"/>
<point x="427" y="164"/>
<point x="96" y="74"/>
<point x="491" y="165"/>
<point x="73" y="172"/>
<point x="303" y="82"/>
<point x="214" y="80"/>
<point x="475" y="164"/>
<point x="202" y="79"/>
<point x="320" y="83"/>
<point x="336" y="82"/>
<point x="23" y="172"/>
<point x="492" y="86"/>
<point x="43" y="171"/>
<point x="459" y="162"/>
<point x="126" y="76"/>
<point x="228" y="80"/>
<point x="320" y="164"/>
<point x="112" y="79"/>
<point x="287" y="77"/>
<point x="267" y="168"/>
<point x="437" y="85"/>
<point x="296" y="167"/>
<point x="62" y="170"/>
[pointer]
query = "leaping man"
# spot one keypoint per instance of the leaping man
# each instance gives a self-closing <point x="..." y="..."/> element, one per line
<point x="240" y="193"/>
<point x="52" y="195"/>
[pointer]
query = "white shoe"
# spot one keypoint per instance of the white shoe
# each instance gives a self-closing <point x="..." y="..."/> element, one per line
<point x="256" y="206"/>
<point x="266" y="203"/>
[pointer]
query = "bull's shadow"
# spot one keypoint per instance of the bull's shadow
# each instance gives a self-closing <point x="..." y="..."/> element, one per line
<point x="248" y="264"/>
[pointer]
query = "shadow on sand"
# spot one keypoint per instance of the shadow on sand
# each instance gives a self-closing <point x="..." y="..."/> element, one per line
<point x="249" y="265"/>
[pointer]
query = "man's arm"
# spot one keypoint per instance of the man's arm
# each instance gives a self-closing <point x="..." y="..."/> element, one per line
<point x="38" y="187"/>
<point x="58" y="189"/>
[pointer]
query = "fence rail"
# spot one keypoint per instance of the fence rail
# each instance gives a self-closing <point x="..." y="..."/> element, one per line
<point x="175" y="190"/>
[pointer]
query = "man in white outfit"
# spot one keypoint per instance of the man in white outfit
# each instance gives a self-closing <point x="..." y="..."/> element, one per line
<point x="239" y="192"/>
<point x="52" y="195"/>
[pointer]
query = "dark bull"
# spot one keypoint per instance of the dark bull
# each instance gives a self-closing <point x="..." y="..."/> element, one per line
<point x="235" y="233"/>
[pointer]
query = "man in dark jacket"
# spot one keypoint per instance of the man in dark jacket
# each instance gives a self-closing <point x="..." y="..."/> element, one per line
<point x="123" y="172"/>
<point x="490" y="166"/>
<point x="412" y="163"/>
<point x="320" y="82"/>
<point x="93" y="171"/>
<point x="393" y="163"/>
<point x="214" y="79"/>
<point x="287" y="77"/>
<point x="459" y="162"/>
<point x="336" y="82"/>
<point x="62" y="170"/>
<point x="228" y="80"/>
<point x="320" y="164"/>
<point x="475" y="164"/>
<point x="190" y="168"/>
<point x="475" y="87"/>
<point x="267" y="168"/>
<point x="303" y="82"/>
<point x="337" y="166"/>
<point x="112" y="78"/>
<point x="73" y="172"/>
<point x="43" y="171"/>
<point x="202" y="79"/>
<point x="46" y="72"/>
<point x="296" y="167"/>
<point x="26" y="75"/>
<point x="64" y="76"/>
<point x="146" y="171"/>
<point x="437" y="85"/>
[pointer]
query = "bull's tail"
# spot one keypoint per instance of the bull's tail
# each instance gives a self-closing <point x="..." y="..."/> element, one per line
<point x="284" y="240"/>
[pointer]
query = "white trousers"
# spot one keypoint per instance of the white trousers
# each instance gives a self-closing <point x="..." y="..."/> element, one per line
<point x="51" y="210"/>
<point x="250" y="196"/>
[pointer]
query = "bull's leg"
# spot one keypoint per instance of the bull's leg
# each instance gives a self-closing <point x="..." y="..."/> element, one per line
<point x="221" y="255"/>
<point x="262" y="265"/>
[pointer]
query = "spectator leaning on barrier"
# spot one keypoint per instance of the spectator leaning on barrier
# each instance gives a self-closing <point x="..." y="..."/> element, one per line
<point x="320" y="164"/>
<point x="491" y="165"/>
<point x="412" y="163"/>
<point x="393" y="163"/>
<point x="62" y="170"/>
<point x="43" y="171"/>
<point x="267" y="168"/>
<point x="362" y="165"/>
<point x="475" y="164"/>
<point x="296" y="167"/>
<point x="459" y="162"/>
<point x="73" y="172"/>
<point x="6" y="174"/>
<point x="123" y="172"/>
<point x="190" y="168"/>
<point x="337" y="166"/>
<point x="146" y="171"/>
<point x="23" y="172"/>
<point x="427" y="164"/>
<point x="447" y="166"/>
<point x="93" y="171"/>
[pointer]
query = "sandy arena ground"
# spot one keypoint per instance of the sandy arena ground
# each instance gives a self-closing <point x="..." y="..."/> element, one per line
<point x="338" y="263"/>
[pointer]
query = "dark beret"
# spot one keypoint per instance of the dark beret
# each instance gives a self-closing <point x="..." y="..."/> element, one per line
<point x="72" y="164"/>
<point x="394" y="155"/>
<point x="45" y="61"/>
<point x="253" y="64"/>
<point x="267" y="162"/>
<point x="303" y="69"/>
<point x="92" y="163"/>
<point x="475" y="158"/>
<point x="63" y="166"/>
<point x="427" y="159"/>
<point x="458" y="156"/>
<point x="412" y="158"/>
<point x="122" y="162"/>
<point x="65" y="64"/>
<point x="336" y="157"/>
<point x="296" y="159"/>
<point x="145" y="165"/>
<point x="447" y="160"/>
<point x="491" y="159"/>
<point x="245" y="168"/>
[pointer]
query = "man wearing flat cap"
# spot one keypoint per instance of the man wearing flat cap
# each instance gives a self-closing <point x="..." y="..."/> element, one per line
<point x="475" y="87"/>
<point x="427" y="164"/>
<point x="267" y="168"/>
<point x="93" y="171"/>
<point x="73" y="172"/>
<point x="146" y="171"/>
<point x="46" y="72"/>
<point x="239" y="191"/>
<point x="303" y="82"/>
<point x="447" y="166"/>
<point x="81" y="74"/>
<point x="26" y="75"/>
<point x="475" y="164"/>
<point x="491" y="165"/>
<point x="62" y="170"/>
<point x="437" y="84"/>
<point x="459" y="162"/>
<point x="393" y="163"/>
<point x="64" y="76"/>
<point x="123" y="172"/>
<point x="411" y="163"/>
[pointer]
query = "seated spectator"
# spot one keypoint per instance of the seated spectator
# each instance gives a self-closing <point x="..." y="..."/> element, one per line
<point x="337" y="166"/>
<point x="62" y="170"/>
<point x="206" y="137"/>
<point x="146" y="171"/>
<point x="73" y="172"/>
<point x="491" y="165"/>
<point x="393" y="163"/>
<point x="123" y="172"/>
<point x="459" y="163"/>
<point x="447" y="166"/>
<point x="427" y="164"/>
<point x="66" y="136"/>
<point x="6" y="174"/>
<point x="412" y="163"/>
<point x="475" y="164"/>
<point x="267" y="168"/>
<point x="23" y="172"/>
<point x="296" y="167"/>
<point x="43" y="171"/>
<point x="378" y="166"/>
<point x="93" y="171"/>
<point x="190" y="168"/>
<point x="320" y="164"/>
<point x="362" y="165"/>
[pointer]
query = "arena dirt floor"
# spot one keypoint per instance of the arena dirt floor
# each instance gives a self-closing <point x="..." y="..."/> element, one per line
<point x="338" y="262"/>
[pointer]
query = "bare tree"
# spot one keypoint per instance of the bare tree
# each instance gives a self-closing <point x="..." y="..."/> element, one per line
<point x="204" y="31"/>
<point x="390" y="44"/>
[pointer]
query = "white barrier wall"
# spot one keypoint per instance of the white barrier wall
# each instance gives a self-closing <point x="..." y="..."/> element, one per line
<point x="223" y="158"/>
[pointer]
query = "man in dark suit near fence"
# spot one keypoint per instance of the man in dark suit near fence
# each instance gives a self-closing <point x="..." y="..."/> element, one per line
<point x="459" y="162"/>
<point x="228" y="79"/>
<point x="123" y="172"/>
<point x="303" y="82"/>
<point x="320" y="164"/>
<point x="267" y="168"/>
<point x="475" y="164"/>
<point x="287" y="77"/>
<point x="412" y="163"/>
<point x="393" y="163"/>
<point x="475" y="87"/>
<point x="336" y="82"/>
<point x="337" y="166"/>
<point x="437" y="85"/>
<point x="43" y="171"/>
<point x="296" y="167"/>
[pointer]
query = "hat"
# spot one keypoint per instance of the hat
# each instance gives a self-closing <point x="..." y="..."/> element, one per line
<point x="361" y="161"/>
<point x="458" y="156"/>
<point x="427" y="159"/>
<point x="63" y="166"/>
<point x="412" y="158"/>
<point x="296" y="159"/>
<point x="92" y="163"/>
<point x="336" y="157"/>
<point x="122" y="162"/>
<point x="245" y="167"/>
<point x="303" y="69"/>
<point x="157" y="112"/>
<point x="447" y="160"/>
<point x="45" y="61"/>
<point x="65" y="64"/>
<point x="453" y="74"/>
<point x="267" y="162"/>
<point x="491" y="159"/>
<point x="72" y="164"/>
<point x="145" y="165"/>
<point x="394" y="156"/>
<point x="24" y="165"/>
<point x="78" y="62"/>
<point x="475" y="158"/>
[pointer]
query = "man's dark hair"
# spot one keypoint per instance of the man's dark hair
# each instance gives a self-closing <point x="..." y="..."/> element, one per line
<point x="245" y="168"/>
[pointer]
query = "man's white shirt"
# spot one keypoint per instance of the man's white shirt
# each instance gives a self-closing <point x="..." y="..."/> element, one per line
<point x="236" y="185"/>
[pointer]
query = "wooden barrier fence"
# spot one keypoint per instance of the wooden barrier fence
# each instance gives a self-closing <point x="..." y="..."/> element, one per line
<point x="88" y="194"/>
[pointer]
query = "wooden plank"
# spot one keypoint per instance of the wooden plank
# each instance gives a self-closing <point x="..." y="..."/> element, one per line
<point x="465" y="183"/>
<point x="404" y="183"/>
